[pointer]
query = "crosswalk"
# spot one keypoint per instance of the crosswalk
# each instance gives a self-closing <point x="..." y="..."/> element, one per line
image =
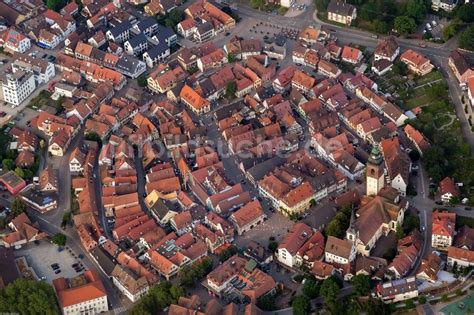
<point x="120" y="310"/>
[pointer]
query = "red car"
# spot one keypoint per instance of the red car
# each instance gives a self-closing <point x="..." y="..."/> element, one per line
<point x="3" y="114"/>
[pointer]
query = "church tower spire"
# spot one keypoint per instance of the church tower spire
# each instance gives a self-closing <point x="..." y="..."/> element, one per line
<point x="375" y="172"/>
<point x="352" y="233"/>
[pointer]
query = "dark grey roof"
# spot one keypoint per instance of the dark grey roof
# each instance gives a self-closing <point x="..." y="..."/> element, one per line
<point x="341" y="8"/>
<point x="260" y="170"/>
<point x="137" y="40"/>
<point x="105" y="261"/>
<point x="207" y="87"/>
<point x="228" y="110"/>
<point x="121" y="28"/>
<point x="163" y="33"/>
<point x="157" y="50"/>
<point x="168" y="4"/>
<point x="146" y="23"/>
<point x="204" y="27"/>
<point x="8" y="271"/>
<point x="160" y="209"/>
<point x="127" y="64"/>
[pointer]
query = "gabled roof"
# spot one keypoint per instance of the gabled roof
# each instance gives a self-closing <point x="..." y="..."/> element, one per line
<point x="120" y="28"/>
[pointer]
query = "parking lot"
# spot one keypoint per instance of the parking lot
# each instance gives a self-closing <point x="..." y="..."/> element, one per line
<point x="276" y="225"/>
<point x="434" y="25"/>
<point x="41" y="257"/>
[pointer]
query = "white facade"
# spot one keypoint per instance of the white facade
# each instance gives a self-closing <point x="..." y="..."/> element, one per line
<point x="95" y="306"/>
<point x="286" y="3"/>
<point x="441" y="242"/>
<point x="399" y="184"/>
<point x="137" y="50"/>
<point x="21" y="46"/>
<point x="132" y="297"/>
<point x="17" y="87"/>
<point x="285" y="257"/>
<point x="75" y="166"/>
<point x="332" y="258"/>
<point x="447" y="6"/>
<point x="374" y="184"/>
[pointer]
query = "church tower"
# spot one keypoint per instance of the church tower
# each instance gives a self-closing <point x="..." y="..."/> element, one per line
<point x="352" y="234"/>
<point x="375" y="172"/>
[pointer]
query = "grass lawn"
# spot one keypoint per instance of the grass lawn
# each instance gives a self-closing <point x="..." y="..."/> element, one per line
<point x="441" y="120"/>
<point x="41" y="100"/>
<point x="430" y="77"/>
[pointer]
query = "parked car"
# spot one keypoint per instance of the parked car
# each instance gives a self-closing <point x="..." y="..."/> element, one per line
<point x="57" y="271"/>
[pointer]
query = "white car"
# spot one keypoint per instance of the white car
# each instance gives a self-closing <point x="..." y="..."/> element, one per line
<point x="428" y="26"/>
<point x="434" y="23"/>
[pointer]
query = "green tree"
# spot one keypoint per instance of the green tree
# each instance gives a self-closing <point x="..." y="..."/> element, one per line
<point x="380" y="26"/>
<point x="273" y="246"/>
<point x="176" y="16"/>
<point x="230" y="58"/>
<point x="19" y="171"/>
<point x="18" y="206"/>
<point x="230" y="90"/>
<point x="334" y="229"/>
<point x="376" y="307"/>
<point x="399" y="234"/>
<point x="258" y="4"/>
<point x="301" y="305"/>
<point x="267" y="302"/>
<point x="55" y="5"/>
<point x="59" y="239"/>
<point x="189" y="275"/>
<point x="367" y="11"/>
<point x="405" y="25"/>
<point x="93" y="136"/>
<point x="10" y="154"/>
<point x="2" y="222"/>
<point x="422" y="299"/>
<point x="28" y="297"/>
<point x="227" y="253"/>
<point x="416" y="9"/>
<point x="361" y="284"/>
<point x="329" y="290"/>
<point x="321" y="5"/>
<point x="450" y="30"/>
<point x="311" y="288"/>
<point x="414" y="155"/>
<point x="142" y="80"/>
<point x="158" y="298"/>
<point x="7" y="164"/>
<point x="400" y="68"/>
<point x="466" y="40"/>
<point x="465" y="13"/>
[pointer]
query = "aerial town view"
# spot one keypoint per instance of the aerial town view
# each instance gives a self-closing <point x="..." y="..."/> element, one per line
<point x="254" y="157"/>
